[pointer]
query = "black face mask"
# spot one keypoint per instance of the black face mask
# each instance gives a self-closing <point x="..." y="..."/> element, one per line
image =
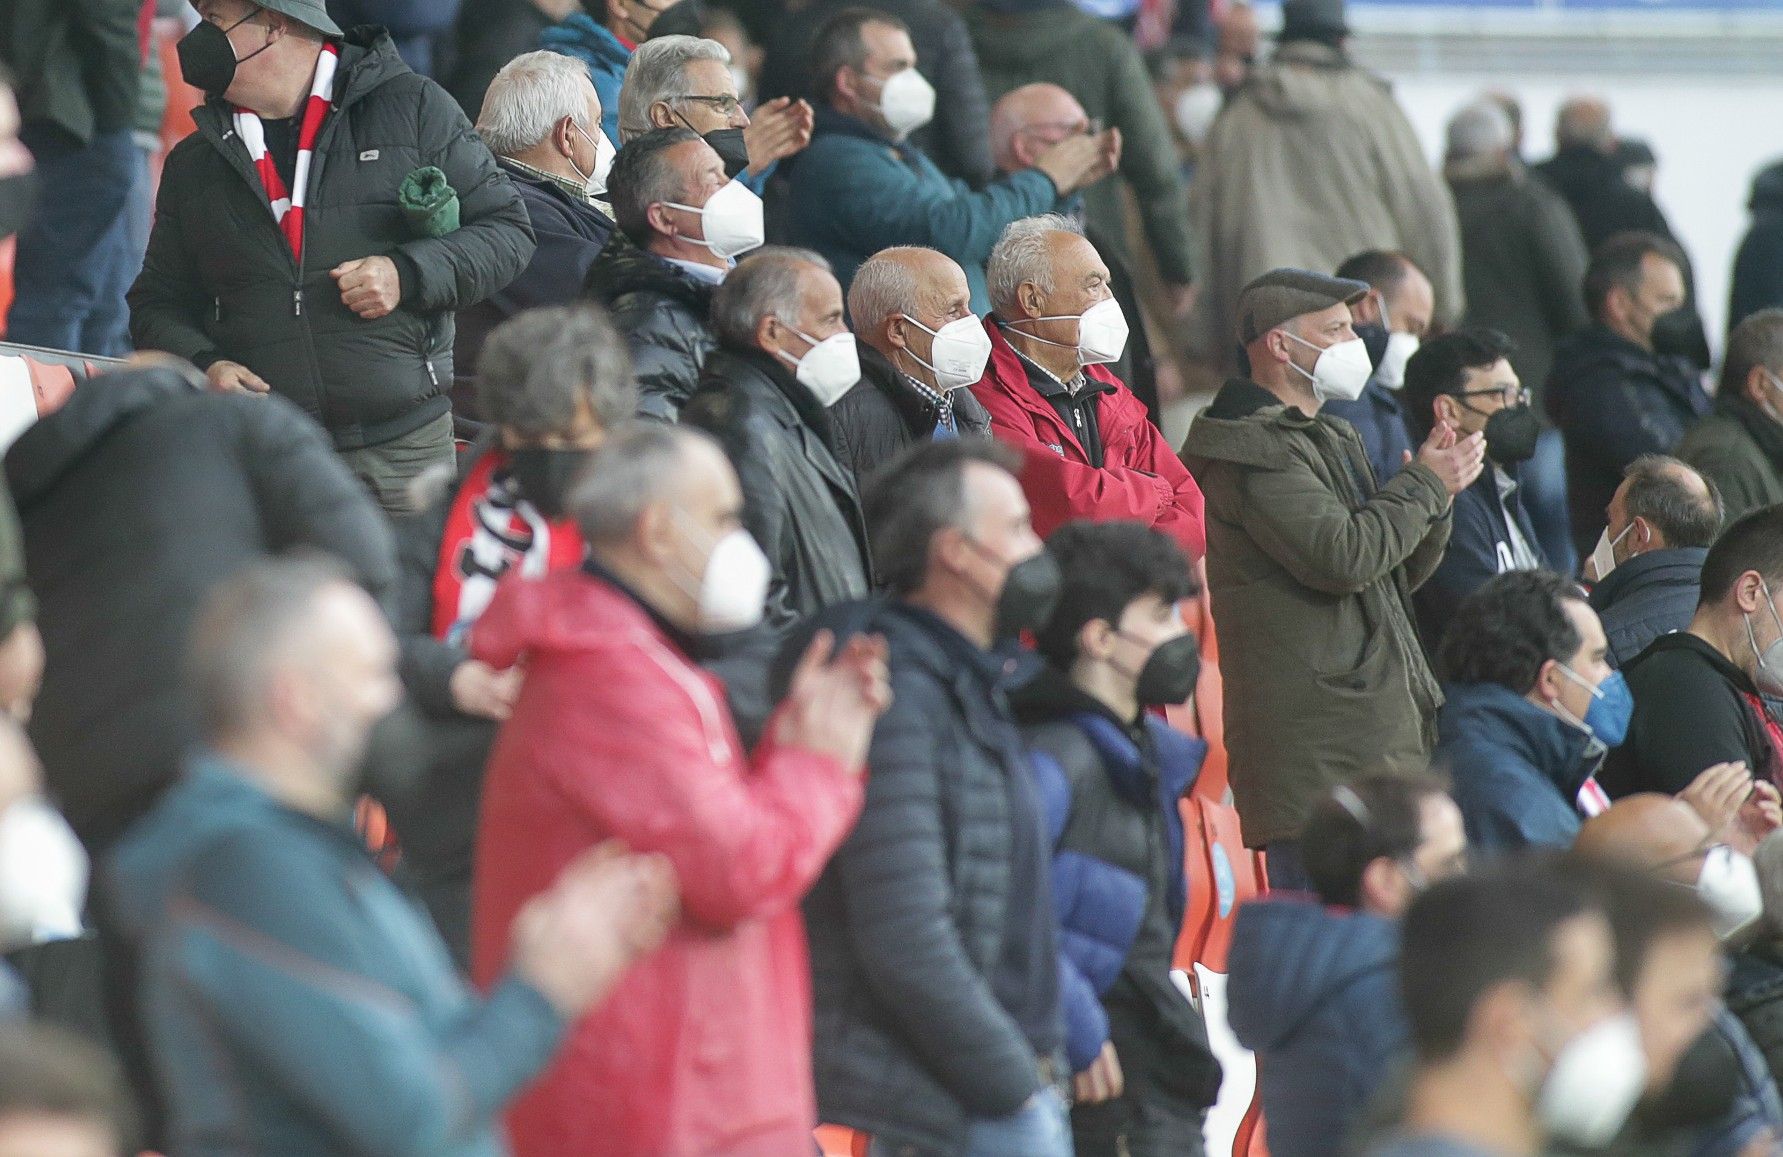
<point x="207" y="59"/>
<point x="1374" y="339"/>
<point x="728" y="144"/>
<point x="1170" y="674"/>
<point x="1511" y="435"/>
<point x="545" y="476"/>
<point x="1030" y="592"/>
<point x="18" y="196"/>
<point x="685" y="19"/>
<point x="1702" y="1089"/>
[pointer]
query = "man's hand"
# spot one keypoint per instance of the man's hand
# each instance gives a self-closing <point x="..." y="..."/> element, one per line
<point x="777" y="130"/>
<point x="369" y="286"/>
<point x="1457" y="461"/>
<point x="1760" y="815"/>
<point x="1080" y="161"/>
<point x="235" y="378"/>
<point x="574" y="941"/>
<point x="1102" y="1081"/>
<point x="831" y="706"/>
<point x="479" y="689"/>
<point x="21" y="670"/>
<point x="1717" y="795"/>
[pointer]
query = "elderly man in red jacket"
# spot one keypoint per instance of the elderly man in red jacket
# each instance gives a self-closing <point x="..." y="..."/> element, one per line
<point x="705" y="1047"/>
<point x="1089" y="449"/>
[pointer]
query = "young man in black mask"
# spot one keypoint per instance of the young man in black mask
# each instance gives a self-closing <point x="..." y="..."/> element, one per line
<point x="553" y="381"/>
<point x="1464" y="378"/>
<point x="1111" y="777"/>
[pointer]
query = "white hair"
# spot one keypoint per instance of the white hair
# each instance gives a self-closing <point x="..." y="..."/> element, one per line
<point x="1022" y="255"/>
<point x="656" y="72"/>
<point x="883" y="287"/>
<point x="527" y="98"/>
<point x="1480" y="128"/>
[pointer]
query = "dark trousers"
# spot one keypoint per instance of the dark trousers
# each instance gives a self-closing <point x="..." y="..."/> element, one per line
<point x="73" y="263"/>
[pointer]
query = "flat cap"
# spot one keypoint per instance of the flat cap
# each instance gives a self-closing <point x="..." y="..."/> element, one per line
<point x="1284" y="294"/>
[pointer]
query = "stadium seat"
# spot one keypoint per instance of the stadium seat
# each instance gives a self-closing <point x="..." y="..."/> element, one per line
<point x="838" y="1141"/>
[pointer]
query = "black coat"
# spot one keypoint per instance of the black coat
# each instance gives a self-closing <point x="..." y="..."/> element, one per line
<point x="883" y="415"/>
<point x="1479" y="549"/>
<point x="488" y="34"/>
<point x="1690" y="713"/>
<point x="956" y="139"/>
<point x="911" y="917"/>
<point x="220" y="280"/>
<point x="138" y="497"/>
<point x="1613" y="402"/>
<point x="664" y="313"/>
<point x="1758" y="266"/>
<point x="570" y="233"/>
<point x="1648" y="596"/>
<point x="798" y="501"/>
<point x="1523" y="264"/>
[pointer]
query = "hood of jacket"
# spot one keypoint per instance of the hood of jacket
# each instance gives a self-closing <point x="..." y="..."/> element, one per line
<point x="1680" y="566"/>
<point x="1291" y="956"/>
<point x="1767" y="190"/>
<point x="58" y="442"/>
<point x="580" y="36"/>
<point x="210" y="801"/>
<point x="621" y="268"/>
<point x="1301" y="80"/>
<point x="1500" y="716"/>
<point x="1242" y="425"/>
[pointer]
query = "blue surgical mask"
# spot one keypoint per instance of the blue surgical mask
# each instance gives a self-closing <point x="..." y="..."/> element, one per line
<point x="1612" y="706"/>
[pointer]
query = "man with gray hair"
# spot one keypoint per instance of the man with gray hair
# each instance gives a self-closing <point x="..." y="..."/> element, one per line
<point x="681" y="224"/>
<point x="618" y="735"/>
<point x="687" y="81"/>
<point x="785" y="357"/>
<point x="300" y="1002"/>
<point x="920" y="347"/>
<point x="1740" y="445"/>
<point x="1647" y="568"/>
<point x="541" y="119"/>
<point x="551" y="382"/>
<point x="1523" y="259"/>
<point x="1089" y="448"/>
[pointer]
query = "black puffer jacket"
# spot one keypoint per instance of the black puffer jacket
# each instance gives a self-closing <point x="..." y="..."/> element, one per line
<point x="798" y="501"/>
<point x="221" y="282"/>
<point x="663" y="313"/>
<point x="1758" y="267"/>
<point x="883" y="414"/>
<point x="137" y="497"/>
<point x="911" y="917"/>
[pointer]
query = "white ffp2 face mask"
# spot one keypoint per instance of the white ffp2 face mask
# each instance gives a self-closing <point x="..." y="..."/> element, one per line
<point x="1594" y="1083"/>
<point x="1728" y="884"/>
<point x="829" y="369"/>
<point x="1101" y="332"/>
<point x="1400" y="348"/>
<point x="1342" y="371"/>
<point x="1197" y="107"/>
<point x="907" y="102"/>
<point x="1603" y="555"/>
<point x="733" y="592"/>
<point x="731" y="220"/>
<point x="959" y="353"/>
<point x="43" y="875"/>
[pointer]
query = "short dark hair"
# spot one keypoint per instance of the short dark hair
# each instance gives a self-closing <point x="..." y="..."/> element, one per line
<point x="1617" y="264"/>
<point x="1441" y="366"/>
<point x="1642" y="909"/>
<point x="642" y="176"/>
<point x="535" y="367"/>
<point x="1506" y="630"/>
<point x="1658" y="492"/>
<point x="1754" y="542"/>
<point x="917" y="495"/>
<point x="1756" y="341"/>
<point x="1104" y="567"/>
<point x="1355" y="825"/>
<point x="839" y="43"/>
<point x="49" y="1071"/>
<point x="1469" y="934"/>
<point x="1384" y="269"/>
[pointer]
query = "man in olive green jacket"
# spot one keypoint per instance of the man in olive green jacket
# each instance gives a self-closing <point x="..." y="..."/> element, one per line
<point x="1311" y="565"/>
<point x="1740" y="446"/>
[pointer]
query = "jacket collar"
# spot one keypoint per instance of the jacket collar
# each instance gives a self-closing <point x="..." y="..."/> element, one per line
<point x="368" y="58"/>
<point x="1681" y="566"/>
<point x="583" y="35"/>
<point x="1007" y="374"/>
<point x="1561" y="752"/>
<point x="916" y="412"/>
<point x="622" y="267"/>
<point x="1758" y="425"/>
<point x="771" y="387"/>
<point x="690" y="645"/>
<point x="1685" y="641"/>
<point x="829" y="121"/>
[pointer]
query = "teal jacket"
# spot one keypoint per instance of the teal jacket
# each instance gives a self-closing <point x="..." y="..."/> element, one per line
<point x="297" y="1002"/>
<point x="854" y="193"/>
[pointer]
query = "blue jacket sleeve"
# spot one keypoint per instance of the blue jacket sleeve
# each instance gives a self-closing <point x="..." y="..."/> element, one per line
<point x="1470" y="560"/>
<point x="272" y="947"/>
<point x="1086" y="1024"/>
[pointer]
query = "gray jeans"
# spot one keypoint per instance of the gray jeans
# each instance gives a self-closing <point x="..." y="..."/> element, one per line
<point x="389" y="469"/>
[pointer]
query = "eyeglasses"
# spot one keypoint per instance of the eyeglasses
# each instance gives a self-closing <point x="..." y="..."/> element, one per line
<point x="1512" y="396"/>
<point x="728" y="106"/>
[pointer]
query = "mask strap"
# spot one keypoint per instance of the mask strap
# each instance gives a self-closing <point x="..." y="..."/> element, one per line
<point x="925" y="365"/>
<point x="1044" y="340"/>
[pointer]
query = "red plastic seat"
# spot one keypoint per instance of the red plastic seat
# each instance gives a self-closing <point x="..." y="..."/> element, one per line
<point x="840" y="1141"/>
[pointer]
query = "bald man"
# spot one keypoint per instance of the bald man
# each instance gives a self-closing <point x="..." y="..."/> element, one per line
<point x="1236" y="54"/>
<point x="920" y="347"/>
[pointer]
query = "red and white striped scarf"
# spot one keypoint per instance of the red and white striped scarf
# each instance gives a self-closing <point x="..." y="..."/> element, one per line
<point x="287" y="204"/>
